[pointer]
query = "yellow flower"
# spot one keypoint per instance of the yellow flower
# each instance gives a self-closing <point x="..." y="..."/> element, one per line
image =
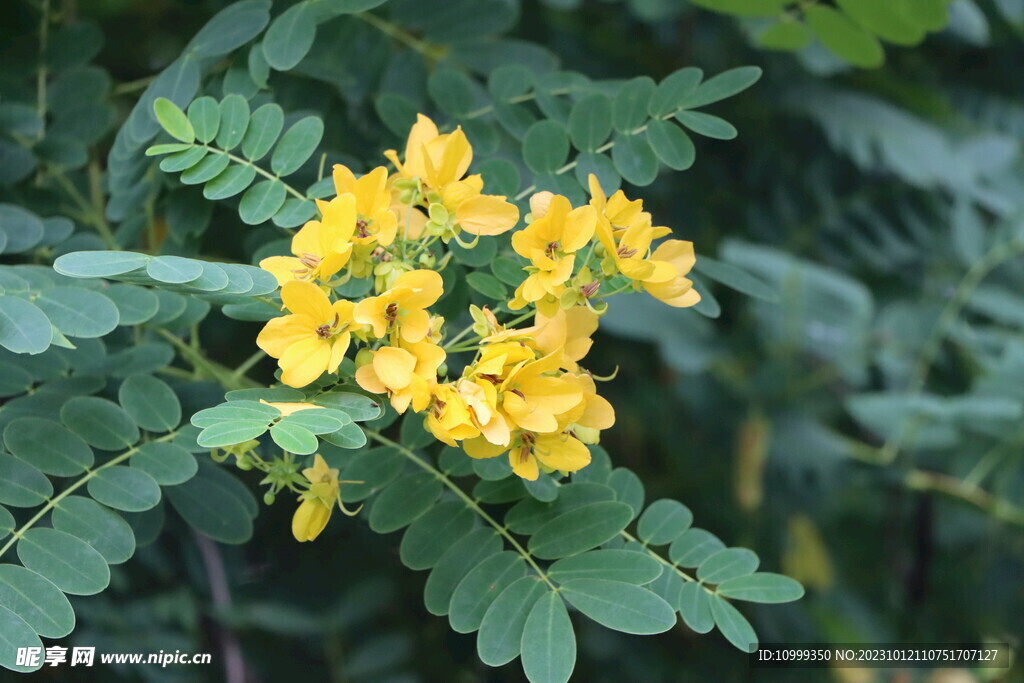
<point x="313" y="339"/>
<point x="593" y="415"/>
<point x="481" y="398"/>
<point x="619" y="213"/>
<point x="449" y="418"/>
<point x="532" y="399"/>
<point x="433" y="158"/>
<point x="677" y="291"/>
<point x="287" y="409"/>
<point x="407" y="373"/>
<point x="317" y="502"/>
<point x="376" y="222"/>
<point x="402" y="309"/>
<point x="551" y="243"/>
<point x="440" y="162"/>
<point x="532" y="452"/>
<point x="321" y="248"/>
<point x="567" y="330"/>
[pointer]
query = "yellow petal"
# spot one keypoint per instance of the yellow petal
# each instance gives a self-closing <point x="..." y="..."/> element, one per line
<point x="561" y="452"/>
<point x="309" y="520"/>
<point x="366" y="377"/>
<point x="487" y="215"/>
<point x="677" y="252"/>
<point x="415" y="326"/>
<point x="305" y="298"/>
<point x="394" y="367"/>
<point x="280" y="333"/>
<point x="523" y="463"/>
<point x="580" y="225"/>
<point x="284" y="268"/>
<point x="338" y="348"/>
<point x="305" y="361"/>
<point x="287" y="409"/>
<point x="480" y="448"/>
<point x="426" y="288"/>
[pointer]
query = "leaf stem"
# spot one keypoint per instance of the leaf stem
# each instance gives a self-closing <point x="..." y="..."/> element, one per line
<point x="53" y="502"/>
<point x="466" y="498"/>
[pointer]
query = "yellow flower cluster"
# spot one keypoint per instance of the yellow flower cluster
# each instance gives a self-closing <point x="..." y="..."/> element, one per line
<point x="524" y="393"/>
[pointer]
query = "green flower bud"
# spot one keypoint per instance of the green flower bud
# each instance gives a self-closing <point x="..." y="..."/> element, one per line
<point x="269" y="498"/>
<point x="442" y="370"/>
<point x="364" y="357"/>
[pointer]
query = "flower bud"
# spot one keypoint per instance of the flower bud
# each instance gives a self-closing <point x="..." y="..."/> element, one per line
<point x="269" y="498"/>
<point x="539" y="204"/>
<point x="364" y="357"/>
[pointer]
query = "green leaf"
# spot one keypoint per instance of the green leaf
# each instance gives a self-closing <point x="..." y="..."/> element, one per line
<point x="396" y="112"/>
<point x="79" y="312"/>
<point x="101" y="423"/>
<point x="167" y="463"/>
<point x="47" y="445"/>
<point x="124" y="488"/>
<point x="549" y="644"/>
<point x="545" y="147"/>
<point x="358" y="406"/>
<point x="733" y="625"/>
<point x="614" y="565"/>
<point x="503" y="491"/>
<point x="628" y="489"/>
<point x="707" y="125"/>
<point x="693" y="547"/>
<point x="488" y="285"/>
<point x="671" y="144"/>
<point x="375" y="468"/>
<point x="104" y="530"/>
<point x="169" y="148"/>
<point x="99" y="263"/>
<point x="150" y="402"/>
<point x="21" y="484"/>
<point x="318" y="421"/>
<point x="234" y="121"/>
<point x="843" y="37"/>
<point x="544" y="488"/>
<point x="23" y="327"/>
<point x="182" y="160"/>
<point x="510" y="80"/>
<point x="135" y="305"/>
<point x="294" y="438"/>
<point x="785" y="35"/>
<point x="501" y="631"/>
<point x="403" y="502"/>
<point x="590" y="122"/>
<point x="36" y="600"/>
<point x="290" y="37"/>
<point x="231" y="28"/>
<point x="297" y="145"/>
<point x="530" y="515"/>
<point x="22" y="228"/>
<point x="725" y="84"/>
<point x="173" y="120"/>
<point x="735" y="278"/>
<point x="262" y="201"/>
<point x="663" y="522"/>
<point x="215" y="504"/>
<point x="728" y="564"/>
<point x="349" y="436"/>
<point x="15" y="634"/>
<point x="229" y="182"/>
<point x="491" y="469"/>
<point x="70" y="563"/>
<point x="223" y="434"/>
<point x="431" y="535"/>
<point x="454" y="564"/>
<point x="174" y="269"/>
<point x="209" y="168"/>
<point x="478" y="590"/>
<point x="580" y="529"/>
<point x="452" y="90"/>
<point x="620" y="606"/>
<point x="204" y="114"/>
<point x="695" y="607"/>
<point x="762" y="587"/>
<point x="673" y="91"/>
<point x="629" y="111"/>
<point x="234" y="410"/>
<point x="884" y="19"/>
<point x="263" y="131"/>
<point x="635" y="160"/>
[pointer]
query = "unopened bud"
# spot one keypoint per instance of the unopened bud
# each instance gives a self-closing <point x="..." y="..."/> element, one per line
<point x="364" y="357"/>
<point x="269" y="498"/>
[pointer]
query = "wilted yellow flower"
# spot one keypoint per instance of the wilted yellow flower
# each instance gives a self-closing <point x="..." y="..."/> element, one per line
<point x="407" y="372"/>
<point x="376" y="222"/>
<point x="551" y="243"/>
<point x="322" y="247"/>
<point x="402" y="309"/>
<point x="313" y="339"/>
<point x="316" y="503"/>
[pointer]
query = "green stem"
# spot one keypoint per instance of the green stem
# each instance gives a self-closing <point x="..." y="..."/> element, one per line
<point x="53" y="502"/>
<point x="248" y="364"/>
<point x="467" y="499"/>
<point x="428" y="50"/>
<point x="1003" y="510"/>
<point x="266" y="174"/>
<point x="215" y="371"/>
